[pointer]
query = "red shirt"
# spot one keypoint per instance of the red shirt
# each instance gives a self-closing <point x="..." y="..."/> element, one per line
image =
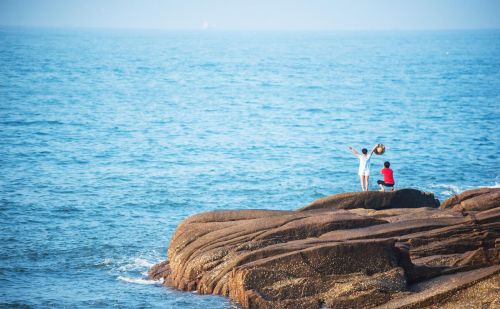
<point x="388" y="177"/>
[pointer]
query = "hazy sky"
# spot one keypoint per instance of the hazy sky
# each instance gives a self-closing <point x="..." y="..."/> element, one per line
<point x="255" y="15"/>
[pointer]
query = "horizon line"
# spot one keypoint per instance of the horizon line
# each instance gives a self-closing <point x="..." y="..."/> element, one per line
<point x="68" y="27"/>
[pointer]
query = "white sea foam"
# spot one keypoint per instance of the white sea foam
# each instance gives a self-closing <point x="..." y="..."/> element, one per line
<point x="140" y="280"/>
<point x="106" y="263"/>
<point x="134" y="269"/>
<point x="451" y="189"/>
<point x="136" y="264"/>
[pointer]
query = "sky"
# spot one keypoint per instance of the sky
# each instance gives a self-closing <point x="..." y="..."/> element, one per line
<point x="323" y="15"/>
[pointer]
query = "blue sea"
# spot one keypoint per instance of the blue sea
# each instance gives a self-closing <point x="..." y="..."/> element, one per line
<point x="109" y="138"/>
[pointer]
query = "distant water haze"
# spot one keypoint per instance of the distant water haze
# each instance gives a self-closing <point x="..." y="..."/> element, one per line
<point x="321" y="15"/>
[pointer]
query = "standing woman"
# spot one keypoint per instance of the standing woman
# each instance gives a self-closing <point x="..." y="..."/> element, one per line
<point x="364" y="166"/>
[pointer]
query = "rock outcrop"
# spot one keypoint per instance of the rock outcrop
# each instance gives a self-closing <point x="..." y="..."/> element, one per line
<point x="405" y="198"/>
<point x="477" y="199"/>
<point x="352" y="250"/>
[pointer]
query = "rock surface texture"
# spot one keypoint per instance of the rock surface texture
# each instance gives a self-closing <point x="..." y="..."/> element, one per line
<point x="351" y="250"/>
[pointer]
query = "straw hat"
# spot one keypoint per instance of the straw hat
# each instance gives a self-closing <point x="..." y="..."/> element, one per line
<point x="380" y="149"/>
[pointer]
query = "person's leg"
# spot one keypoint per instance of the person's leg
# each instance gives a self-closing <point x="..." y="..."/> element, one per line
<point x="361" y="180"/>
<point x="380" y="184"/>
<point x="366" y="182"/>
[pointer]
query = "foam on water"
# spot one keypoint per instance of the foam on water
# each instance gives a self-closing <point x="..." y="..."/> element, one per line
<point x="136" y="264"/>
<point x="449" y="189"/>
<point x="452" y="189"/>
<point x="140" y="281"/>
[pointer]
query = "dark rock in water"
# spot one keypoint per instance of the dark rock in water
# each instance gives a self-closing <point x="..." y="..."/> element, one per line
<point x="374" y="255"/>
<point x="405" y="198"/>
<point x="477" y="199"/>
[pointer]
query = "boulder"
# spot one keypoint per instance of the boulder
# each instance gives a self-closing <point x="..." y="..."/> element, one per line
<point x="473" y="200"/>
<point x="327" y="257"/>
<point x="404" y="198"/>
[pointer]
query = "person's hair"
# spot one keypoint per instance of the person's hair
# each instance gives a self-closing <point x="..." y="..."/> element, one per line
<point x="364" y="151"/>
<point x="387" y="164"/>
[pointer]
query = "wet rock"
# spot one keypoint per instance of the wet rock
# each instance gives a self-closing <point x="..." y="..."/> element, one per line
<point x="323" y="256"/>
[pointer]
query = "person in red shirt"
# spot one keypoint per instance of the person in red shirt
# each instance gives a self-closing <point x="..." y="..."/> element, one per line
<point x="388" y="177"/>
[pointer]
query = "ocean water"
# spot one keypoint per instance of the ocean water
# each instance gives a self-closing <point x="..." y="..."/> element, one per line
<point x="108" y="139"/>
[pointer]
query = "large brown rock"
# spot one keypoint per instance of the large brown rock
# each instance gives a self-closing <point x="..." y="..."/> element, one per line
<point x="477" y="199"/>
<point x="405" y="198"/>
<point x="325" y="257"/>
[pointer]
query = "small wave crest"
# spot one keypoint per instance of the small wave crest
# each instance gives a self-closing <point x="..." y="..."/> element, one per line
<point x="133" y="269"/>
<point x="140" y="280"/>
<point x="136" y="264"/>
<point x="448" y="189"/>
<point x="452" y="189"/>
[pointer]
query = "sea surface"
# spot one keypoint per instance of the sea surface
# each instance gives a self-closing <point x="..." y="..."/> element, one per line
<point x="109" y="138"/>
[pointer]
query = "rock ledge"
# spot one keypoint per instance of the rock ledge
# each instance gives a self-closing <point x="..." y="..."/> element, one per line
<point x="351" y="250"/>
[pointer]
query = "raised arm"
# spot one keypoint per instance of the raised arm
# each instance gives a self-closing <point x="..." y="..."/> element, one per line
<point x="373" y="150"/>
<point x="354" y="151"/>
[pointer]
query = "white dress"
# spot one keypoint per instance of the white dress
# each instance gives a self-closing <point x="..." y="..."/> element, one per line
<point x="364" y="164"/>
